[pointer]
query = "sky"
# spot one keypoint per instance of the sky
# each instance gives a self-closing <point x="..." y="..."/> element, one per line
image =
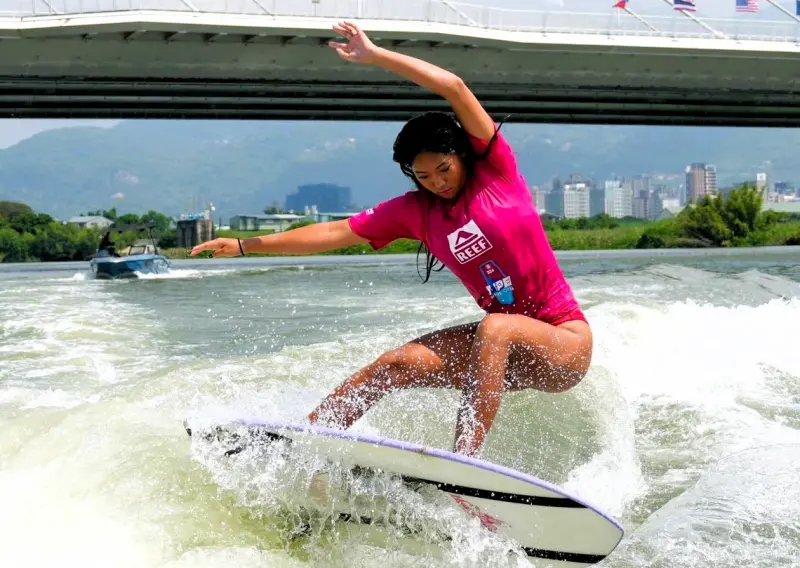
<point x="14" y="130"/>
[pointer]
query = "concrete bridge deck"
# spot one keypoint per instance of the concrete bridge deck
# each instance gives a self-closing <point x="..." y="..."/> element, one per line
<point x="268" y="60"/>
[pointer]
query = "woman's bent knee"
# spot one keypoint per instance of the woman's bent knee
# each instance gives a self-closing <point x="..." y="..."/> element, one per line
<point x="494" y="327"/>
<point x="405" y="366"/>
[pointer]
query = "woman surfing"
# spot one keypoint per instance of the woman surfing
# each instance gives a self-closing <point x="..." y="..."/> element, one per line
<point x="474" y="213"/>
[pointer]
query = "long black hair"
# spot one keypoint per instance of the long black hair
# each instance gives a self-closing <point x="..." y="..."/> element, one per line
<point x="440" y="133"/>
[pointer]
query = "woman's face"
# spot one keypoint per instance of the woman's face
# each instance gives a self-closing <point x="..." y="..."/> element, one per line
<point x="441" y="174"/>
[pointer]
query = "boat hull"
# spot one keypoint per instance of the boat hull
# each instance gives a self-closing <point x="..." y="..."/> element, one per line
<point x="113" y="268"/>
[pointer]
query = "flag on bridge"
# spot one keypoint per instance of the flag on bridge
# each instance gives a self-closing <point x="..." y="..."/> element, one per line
<point x="747" y="5"/>
<point x="624" y="4"/>
<point x="686" y="5"/>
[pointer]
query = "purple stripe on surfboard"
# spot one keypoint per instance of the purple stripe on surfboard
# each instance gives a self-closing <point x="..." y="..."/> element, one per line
<point x="420" y="449"/>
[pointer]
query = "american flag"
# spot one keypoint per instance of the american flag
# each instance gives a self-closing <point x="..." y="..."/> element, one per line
<point x="747" y="5"/>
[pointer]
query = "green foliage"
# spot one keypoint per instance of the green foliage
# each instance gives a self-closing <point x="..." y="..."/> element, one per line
<point x="29" y="222"/>
<point x="732" y="220"/>
<point x="26" y="235"/>
<point x="595" y="239"/>
<point x="601" y="221"/>
<point x="706" y="222"/>
<point x="110" y="214"/>
<point x="164" y="231"/>
<point x="659" y="234"/>
<point x="30" y="236"/>
<point x="741" y="211"/>
<point x="13" y="245"/>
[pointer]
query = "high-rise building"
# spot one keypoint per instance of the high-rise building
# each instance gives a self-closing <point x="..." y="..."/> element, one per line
<point x="539" y="199"/>
<point x="711" y="180"/>
<point x="641" y="206"/>
<point x="642" y="197"/>
<point x="618" y="198"/>
<point x="761" y="185"/>
<point x="576" y="200"/>
<point x="597" y="200"/>
<point x="554" y="202"/>
<point x="701" y="179"/>
<point x="641" y="185"/>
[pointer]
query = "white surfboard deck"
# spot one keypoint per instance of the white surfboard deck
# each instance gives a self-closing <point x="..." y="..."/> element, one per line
<point x="547" y="522"/>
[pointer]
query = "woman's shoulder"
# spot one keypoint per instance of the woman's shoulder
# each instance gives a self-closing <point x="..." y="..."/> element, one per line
<point x="497" y="161"/>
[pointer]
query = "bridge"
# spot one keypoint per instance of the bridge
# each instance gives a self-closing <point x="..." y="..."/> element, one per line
<point x="268" y="59"/>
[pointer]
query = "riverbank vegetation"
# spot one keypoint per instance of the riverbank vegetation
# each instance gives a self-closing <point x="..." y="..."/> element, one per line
<point x="29" y="236"/>
<point x="733" y="220"/>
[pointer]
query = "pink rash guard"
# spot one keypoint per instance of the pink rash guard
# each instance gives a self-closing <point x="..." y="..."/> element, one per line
<point x="490" y="236"/>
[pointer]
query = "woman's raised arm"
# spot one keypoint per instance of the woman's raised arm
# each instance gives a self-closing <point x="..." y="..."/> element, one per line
<point x="471" y="114"/>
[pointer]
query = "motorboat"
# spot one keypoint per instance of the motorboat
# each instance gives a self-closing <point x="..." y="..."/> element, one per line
<point x="140" y="258"/>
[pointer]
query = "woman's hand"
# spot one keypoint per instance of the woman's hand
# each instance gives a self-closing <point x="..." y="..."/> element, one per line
<point x="358" y="49"/>
<point x="219" y="247"/>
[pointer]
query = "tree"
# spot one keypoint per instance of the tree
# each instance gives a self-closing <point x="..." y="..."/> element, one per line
<point x="163" y="223"/>
<point x="725" y="220"/>
<point x="127" y="219"/>
<point x="742" y="211"/>
<point x="110" y="214"/>
<point x="705" y="222"/>
<point x="30" y="222"/>
<point x="13" y="245"/>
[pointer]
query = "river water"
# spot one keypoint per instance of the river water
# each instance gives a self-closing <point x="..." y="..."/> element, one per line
<point x="687" y="428"/>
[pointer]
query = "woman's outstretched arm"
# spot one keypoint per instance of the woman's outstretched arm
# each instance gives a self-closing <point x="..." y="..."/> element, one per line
<point x="310" y="239"/>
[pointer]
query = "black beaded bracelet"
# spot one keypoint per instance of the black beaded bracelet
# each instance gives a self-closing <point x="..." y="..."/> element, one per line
<point x="241" y="250"/>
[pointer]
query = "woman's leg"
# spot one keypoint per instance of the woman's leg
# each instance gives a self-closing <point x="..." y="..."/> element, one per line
<point x="516" y="352"/>
<point x="436" y="360"/>
<point x="482" y="359"/>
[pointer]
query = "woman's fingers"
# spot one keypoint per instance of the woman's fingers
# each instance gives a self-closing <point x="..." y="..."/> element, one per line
<point x="352" y="28"/>
<point x="344" y="54"/>
<point x="341" y="29"/>
<point x="218" y="247"/>
<point x="208" y="245"/>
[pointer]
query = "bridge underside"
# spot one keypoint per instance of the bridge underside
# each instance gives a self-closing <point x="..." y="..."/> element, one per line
<point x="138" y="69"/>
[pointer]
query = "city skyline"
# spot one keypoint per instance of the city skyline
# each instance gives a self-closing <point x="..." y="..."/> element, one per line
<point x="637" y="196"/>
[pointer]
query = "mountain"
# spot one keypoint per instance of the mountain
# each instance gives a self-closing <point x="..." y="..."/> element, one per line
<point x="245" y="166"/>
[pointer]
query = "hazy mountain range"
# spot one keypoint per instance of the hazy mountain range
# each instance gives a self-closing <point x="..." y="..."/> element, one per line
<point x="245" y="166"/>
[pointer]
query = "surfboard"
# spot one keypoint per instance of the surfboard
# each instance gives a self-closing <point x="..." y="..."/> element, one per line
<point x="547" y="522"/>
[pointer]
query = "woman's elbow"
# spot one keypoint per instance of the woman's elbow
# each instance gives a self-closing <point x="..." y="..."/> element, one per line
<point x="452" y="85"/>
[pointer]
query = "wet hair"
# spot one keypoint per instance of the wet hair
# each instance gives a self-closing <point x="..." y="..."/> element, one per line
<point x="439" y="133"/>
